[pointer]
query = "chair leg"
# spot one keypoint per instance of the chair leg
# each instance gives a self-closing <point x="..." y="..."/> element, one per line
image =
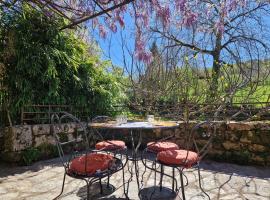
<point x="155" y="179"/>
<point x="182" y="185"/>
<point x="124" y="185"/>
<point x="87" y="189"/>
<point x="63" y="184"/>
<point x="100" y="185"/>
<point x="173" y="170"/>
<point x="161" y="177"/>
<point x="200" y="184"/>
<point x="108" y="181"/>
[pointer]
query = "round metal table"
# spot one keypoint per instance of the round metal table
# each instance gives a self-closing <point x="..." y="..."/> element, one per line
<point x="133" y="128"/>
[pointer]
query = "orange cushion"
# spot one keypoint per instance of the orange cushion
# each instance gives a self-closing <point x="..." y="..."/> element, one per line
<point x="110" y="145"/>
<point x="161" y="146"/>
<point x="94" y="162"/>
<point x="178" y="157"/>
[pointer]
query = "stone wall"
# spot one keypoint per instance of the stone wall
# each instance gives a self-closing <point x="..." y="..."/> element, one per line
<point x="242" y="143"/>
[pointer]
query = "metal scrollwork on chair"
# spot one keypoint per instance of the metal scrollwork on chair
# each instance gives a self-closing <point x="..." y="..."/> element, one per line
<point x="78" y="160"/>
<point x="169" y="154"/>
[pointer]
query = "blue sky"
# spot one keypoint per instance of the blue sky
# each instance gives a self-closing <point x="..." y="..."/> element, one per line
<point x="111" y="46"/>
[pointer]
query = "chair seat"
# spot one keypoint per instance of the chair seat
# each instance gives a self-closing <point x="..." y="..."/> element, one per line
<point x="178" y="157"/>
<point x="161" y="146"/>
<point x="110" y="145"/>
<point x="95" y="162"/>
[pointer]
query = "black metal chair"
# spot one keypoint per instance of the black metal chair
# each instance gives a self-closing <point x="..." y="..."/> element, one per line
<point x="108" y="145"/>
<point x="80" y="162"/>
<point x="151" y="151"/>
<point x="180" y="159"/>
<point x="117" y="147"/>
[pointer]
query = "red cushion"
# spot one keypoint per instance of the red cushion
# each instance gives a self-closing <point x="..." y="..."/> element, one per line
<point x="178" y="157"/>
<point x="161" y="146"/>
<point x="94" y="162"/>
<point x="110" y="145"/>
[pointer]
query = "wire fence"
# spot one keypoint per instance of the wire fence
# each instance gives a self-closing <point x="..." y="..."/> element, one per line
<point x="40" y="114"/>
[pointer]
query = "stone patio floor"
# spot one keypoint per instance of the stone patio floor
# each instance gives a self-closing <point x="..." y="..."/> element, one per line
<point x="43" y="181"/>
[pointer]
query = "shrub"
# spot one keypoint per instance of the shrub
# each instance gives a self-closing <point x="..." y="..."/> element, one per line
<point x="30" y="155"/>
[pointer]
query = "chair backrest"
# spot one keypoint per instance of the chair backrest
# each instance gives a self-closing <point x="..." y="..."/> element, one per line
<point x="101" y="118"/>
<point x="98" y="135"/>
<point x="70" y="135"/>
<point x="205" y="130"/>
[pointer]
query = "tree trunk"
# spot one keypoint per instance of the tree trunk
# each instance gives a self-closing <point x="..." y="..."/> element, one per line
<point x="213" y="88"/>
<point x="215" y="75"/>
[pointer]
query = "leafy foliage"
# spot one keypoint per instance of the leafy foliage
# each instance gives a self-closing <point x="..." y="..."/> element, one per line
<point x="43" y="65"/>
<point x="30" y="155"/>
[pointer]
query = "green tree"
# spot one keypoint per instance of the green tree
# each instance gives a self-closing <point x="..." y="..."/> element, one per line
<point x="43" y="65"/>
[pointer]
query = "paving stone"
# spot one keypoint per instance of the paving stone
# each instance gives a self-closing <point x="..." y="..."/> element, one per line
<point x="223" y="181"/>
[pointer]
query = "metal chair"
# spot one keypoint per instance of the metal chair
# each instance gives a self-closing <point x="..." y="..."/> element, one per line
<point x="180" y="159"/>
<point x="81" y="163"/>
<point x="117" y="147"/>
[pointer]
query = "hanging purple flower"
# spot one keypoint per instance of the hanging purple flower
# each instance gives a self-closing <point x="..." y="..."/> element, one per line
<point x="102" y="31"/>
<point x="181" y="5"/>
<point x="164" y="15"/>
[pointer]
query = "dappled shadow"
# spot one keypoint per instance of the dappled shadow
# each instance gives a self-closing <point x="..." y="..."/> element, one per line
<point x="8" y="169"/>
<point x="95" y="192"/>
<point x="154" y="193"/>
<point x="236" y="170"/>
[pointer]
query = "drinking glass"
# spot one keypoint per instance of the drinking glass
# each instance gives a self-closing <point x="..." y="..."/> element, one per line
<point x="150" y="118"/>
<point x="121" y="119"/>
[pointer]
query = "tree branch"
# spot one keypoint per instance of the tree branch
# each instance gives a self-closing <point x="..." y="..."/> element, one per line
<point x="181" y="43"/>
<point x="97" y="14"/>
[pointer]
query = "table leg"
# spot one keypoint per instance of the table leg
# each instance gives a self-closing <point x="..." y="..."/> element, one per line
<point x="135" y="157"/>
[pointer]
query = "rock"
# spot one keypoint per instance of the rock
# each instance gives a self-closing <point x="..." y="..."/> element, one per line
<point x="231" y="146"/>
<point x="18" y="138"/>
<point x="201" y="143"/>
<point x="244" y="139"/>
<point x="257" y="159"/>
<point x="250" y="134"/>
<point x="239" y="126"/>
<point x="265" y="137"/>
<point x="233" y="137"/>
<point x="44" y="139"/>
<point x="157" y="133"/>
<point x="41" y="129"/>
<point x="264" y="126"/>
<point x="69" y="127"/>
<point x="257" y="148"/>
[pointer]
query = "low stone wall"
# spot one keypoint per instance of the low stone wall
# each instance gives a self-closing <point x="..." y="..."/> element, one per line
<point x="241" y="143"/>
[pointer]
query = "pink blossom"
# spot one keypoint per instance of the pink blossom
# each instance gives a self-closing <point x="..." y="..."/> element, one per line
<point x="219" y="26"/>
<point x="189" y="19"/>
<point x="181" y="5"/>
<point x="102" y="31"/>
<point x="164" y="15"/>
<point x="140" y="52"/>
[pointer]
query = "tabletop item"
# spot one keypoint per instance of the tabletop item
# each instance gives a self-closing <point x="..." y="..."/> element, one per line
<point x="121" y="119"/>
<point x="150" y="118"/>
<point x="135" y="125"/>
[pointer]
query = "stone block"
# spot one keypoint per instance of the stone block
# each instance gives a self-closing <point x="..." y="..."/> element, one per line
<point x="18" y="138"/>
<point x="245" y="140"/>
<point x="265" y="137"/>
<point x="41" y="129"/>
<point x="231" y="146"/>
<point x="239" y="126"/>
<point x="264" y="126"/>
<point x="48" y="139"/>
<point x="233" y="137"/>
<point x="39" y="140"/>
<point x="257" y="148"/>
<point x="257" y="159"/>
<point x="69" y="127"/>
